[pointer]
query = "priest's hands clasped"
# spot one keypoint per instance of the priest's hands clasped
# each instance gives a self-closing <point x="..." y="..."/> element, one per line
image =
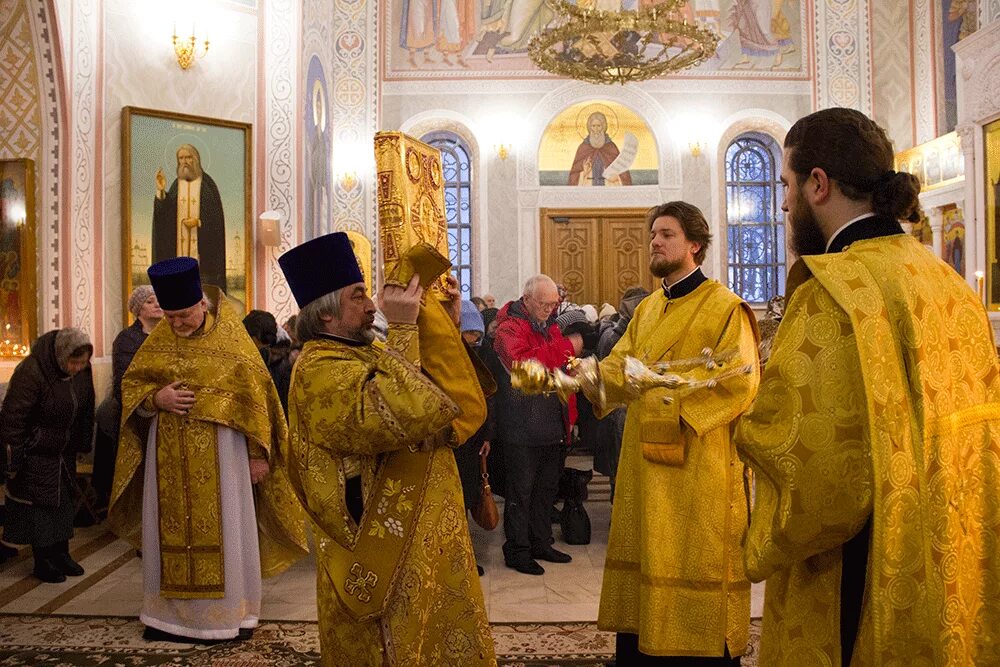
<point x="175" y="398"/>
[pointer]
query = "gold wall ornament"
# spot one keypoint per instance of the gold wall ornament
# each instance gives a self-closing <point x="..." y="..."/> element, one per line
<point x="186" y="49"/>
<point x="410" y="197"/>
<point x="607" y="47"/>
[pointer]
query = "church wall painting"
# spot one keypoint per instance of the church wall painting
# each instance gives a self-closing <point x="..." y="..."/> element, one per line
<point x="991" y="177"/>
<point x="318" y="184"/>
<point x="597" y="143"/>
<point x="488" y="38"/>
<point x="953" y="229"/>
<point x="936" y="163"/>
<point x="959" y="19"/>
<point x="186" y="190"/>
<point x="18" y="318"/>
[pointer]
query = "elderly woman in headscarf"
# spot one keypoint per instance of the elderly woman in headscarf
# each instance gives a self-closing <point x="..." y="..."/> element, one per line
<point x="46" y="419"/>
<point x="145" y="309"/>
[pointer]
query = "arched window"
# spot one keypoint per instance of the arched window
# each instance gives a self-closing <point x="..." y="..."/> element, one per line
<point x="756" y="224"/>
<point x="457" y="169"/>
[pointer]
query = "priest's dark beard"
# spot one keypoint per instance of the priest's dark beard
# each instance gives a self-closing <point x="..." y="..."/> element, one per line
<point x="807" y="237"/>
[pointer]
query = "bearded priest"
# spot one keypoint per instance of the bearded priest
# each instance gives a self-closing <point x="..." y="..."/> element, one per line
<point x="371" y="435"/>
<point x="199" y="483"/>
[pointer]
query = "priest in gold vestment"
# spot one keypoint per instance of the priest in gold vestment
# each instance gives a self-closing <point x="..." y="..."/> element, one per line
<point x="674" y="585"/>
<point x="199" y="484"/>
<point x="371" y="460"/>
<point x="876" y="435"/>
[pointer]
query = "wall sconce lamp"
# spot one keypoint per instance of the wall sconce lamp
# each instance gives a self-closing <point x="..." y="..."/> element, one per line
<point x="502" y="150"/>
<point x="981" y="285"/>
<point x="186" y="50"/>
<point x="696" y="147"/>
<point x="268" y="232"/>
<point x="348" y="180"/>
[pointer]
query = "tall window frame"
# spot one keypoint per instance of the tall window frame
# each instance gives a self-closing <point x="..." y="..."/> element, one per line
<point x="456" y="169"/>
<point x="755" y="224"/>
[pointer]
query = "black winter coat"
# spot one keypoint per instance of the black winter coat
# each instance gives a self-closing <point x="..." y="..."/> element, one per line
<point x="46" y="419"/>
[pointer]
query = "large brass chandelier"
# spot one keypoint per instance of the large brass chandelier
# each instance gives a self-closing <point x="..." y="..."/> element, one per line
<point x="587" y="43"/>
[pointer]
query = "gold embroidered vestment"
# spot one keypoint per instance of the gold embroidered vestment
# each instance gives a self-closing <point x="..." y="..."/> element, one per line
<point x="232" y="388"/>
<point x="400" y="588"/>
<point x="881" y="398"/>
<point x="674" y="571"/>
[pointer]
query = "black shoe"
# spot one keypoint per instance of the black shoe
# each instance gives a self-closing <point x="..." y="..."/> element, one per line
<point x="246" y="634"/>
<point x="527" y="567"/>
<point x="65" y="564"/>
<point x="479" y="569"/>
<point x="551" y="555"/>
<point x="48" y="571"/>
<point x="151" y="634"/>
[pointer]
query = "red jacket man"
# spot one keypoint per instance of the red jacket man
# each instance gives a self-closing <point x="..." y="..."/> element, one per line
<point x="532" y="428"/>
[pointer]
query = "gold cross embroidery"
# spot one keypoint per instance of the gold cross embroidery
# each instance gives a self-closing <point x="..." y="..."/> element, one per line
<point x="360" y="587"/>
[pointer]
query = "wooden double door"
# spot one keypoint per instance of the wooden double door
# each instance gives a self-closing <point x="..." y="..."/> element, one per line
<point x="596" y="253"/>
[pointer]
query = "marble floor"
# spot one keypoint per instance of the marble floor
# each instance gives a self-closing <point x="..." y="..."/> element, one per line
<point x="112" y="585"/>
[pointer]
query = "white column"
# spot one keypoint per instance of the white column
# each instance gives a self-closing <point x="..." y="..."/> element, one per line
<point x="935" y="216"/>
<point x="975" y="238"/>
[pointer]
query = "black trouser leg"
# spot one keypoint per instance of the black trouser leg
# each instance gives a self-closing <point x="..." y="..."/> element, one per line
<point x="548" y="467"/>
<point x="105" y="452"/>
<point x="627" y="654"/>
<point x="521" y="465"/>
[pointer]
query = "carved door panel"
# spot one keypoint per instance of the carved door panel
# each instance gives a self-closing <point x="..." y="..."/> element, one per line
<point x="569" y="255"/>
<point x="625" y="257"/>
<point x="596" y="254"/>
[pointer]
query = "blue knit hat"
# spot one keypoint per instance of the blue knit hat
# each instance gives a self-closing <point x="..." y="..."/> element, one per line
<point x="320" y="266"/>
<point x="176" y="282"/>
<point x="470" y="319"/>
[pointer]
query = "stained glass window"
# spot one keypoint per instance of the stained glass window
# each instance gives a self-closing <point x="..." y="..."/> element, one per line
<point x="457" y="169"/>
<point x="756" y="223"/>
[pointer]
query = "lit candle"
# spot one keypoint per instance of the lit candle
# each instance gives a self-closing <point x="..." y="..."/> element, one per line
<point x="981" y="285"/>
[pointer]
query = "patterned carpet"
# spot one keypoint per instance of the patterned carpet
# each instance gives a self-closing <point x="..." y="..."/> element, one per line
<point x="31" y="640"/>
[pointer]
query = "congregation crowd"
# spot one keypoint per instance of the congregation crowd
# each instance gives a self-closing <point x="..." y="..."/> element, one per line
<point x="856" y="471"/>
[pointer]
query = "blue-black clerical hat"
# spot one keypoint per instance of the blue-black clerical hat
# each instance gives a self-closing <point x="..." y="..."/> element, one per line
<point x="176" y="282"/>
<point x="320" y="266"/>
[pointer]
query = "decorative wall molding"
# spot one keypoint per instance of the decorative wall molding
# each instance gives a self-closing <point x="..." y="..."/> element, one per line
<point x="892" y="90"/>
<point x="989" y="11"/>
<point x="30" y="115"/>
<point x="925" y="42"/>
<point x="354" y="101"/>
<point x="79" y="301"/>
<point x="276" y="140"/>
<point x="843" y="56"/>
<point x="657" y="86"/>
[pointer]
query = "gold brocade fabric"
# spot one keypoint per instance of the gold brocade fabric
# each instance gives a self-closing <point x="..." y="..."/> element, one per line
<point x="233" y="388"/>
<point x="881" y="399"/>
<point x="411" y="211"/>
<point x="410" y="191"/>
<point x="674" y="570"/>
<point x="372" y="403"/>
